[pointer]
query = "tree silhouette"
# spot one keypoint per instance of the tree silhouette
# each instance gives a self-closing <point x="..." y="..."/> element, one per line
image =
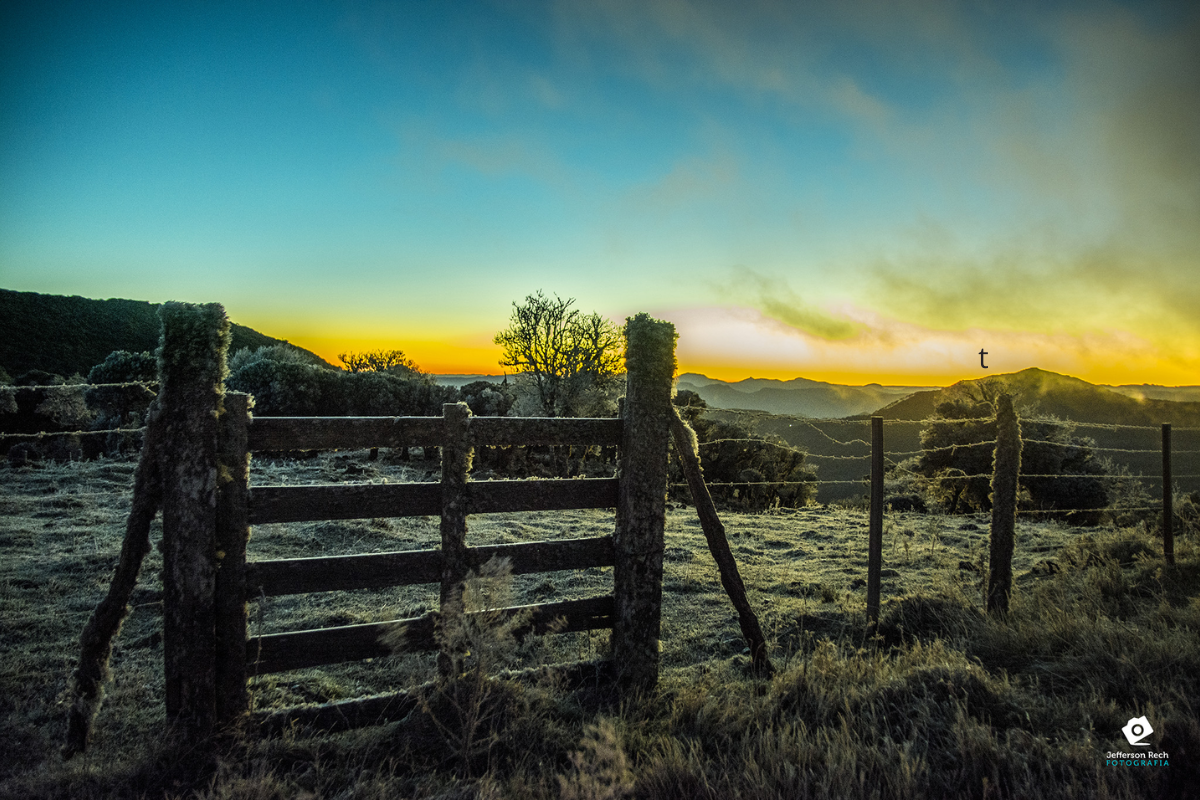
<point x="563" y="351"/>
<point x="393" y="361"/>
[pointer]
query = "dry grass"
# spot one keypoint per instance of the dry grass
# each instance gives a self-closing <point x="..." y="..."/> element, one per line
<point x="943" y="703"/>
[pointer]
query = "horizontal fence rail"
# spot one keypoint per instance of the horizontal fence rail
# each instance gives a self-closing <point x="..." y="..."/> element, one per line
<point x="278" y="652"/>
<point x="331" y="433"/>
<point x="383" y="570"/>
<point x="371" y="500"/>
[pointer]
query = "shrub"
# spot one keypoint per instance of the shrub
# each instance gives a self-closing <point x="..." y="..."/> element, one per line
<point x="488" y="399"/>
<point x="117" y="406"/>
<point x="1059" y="470"/>
<point x="730" y="454"/>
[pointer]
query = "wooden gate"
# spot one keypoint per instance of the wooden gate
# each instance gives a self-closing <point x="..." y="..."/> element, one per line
<point x="208" y="654"/>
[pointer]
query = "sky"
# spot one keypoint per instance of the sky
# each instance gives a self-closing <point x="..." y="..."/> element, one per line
<point x="858" y="192"/>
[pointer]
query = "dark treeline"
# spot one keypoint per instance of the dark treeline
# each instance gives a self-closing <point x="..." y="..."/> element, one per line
<point x="69" y="335"/>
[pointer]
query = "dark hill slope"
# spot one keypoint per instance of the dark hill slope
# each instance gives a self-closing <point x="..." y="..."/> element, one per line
<point x="1061" y="395"/>
<point x="69" y="335"/>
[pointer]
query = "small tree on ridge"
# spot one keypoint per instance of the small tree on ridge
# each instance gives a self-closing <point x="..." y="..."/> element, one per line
<point x="563" y="351"/>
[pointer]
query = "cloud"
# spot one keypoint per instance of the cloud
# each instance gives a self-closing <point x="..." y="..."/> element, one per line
<point x="1103" y="171"/>
<point x="774" y="298"/>
<point x="890" y="350"/>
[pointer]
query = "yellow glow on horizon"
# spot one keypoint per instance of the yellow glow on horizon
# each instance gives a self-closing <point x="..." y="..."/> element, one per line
<point x="732" y="344"/>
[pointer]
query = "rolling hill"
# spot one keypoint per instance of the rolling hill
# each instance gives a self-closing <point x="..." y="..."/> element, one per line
<point x="70" y="335"/>
<point x="1040" y="391"/>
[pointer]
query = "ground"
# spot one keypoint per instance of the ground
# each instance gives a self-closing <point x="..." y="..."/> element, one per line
<point x="805" y="573"/>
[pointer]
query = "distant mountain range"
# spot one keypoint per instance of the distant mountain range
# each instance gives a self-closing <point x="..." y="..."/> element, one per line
<point x="798" y="397"/>
<point x="1048" y="392"/>
<point x="70" y="335"/>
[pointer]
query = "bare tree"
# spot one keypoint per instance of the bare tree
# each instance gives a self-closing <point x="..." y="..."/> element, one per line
<point x="563" y="351"/>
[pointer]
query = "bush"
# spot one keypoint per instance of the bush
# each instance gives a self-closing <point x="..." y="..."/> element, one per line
<point x="1059" y="470"/>
<point x="122" y="406"/>
<point x="290" y="388"/>
<point x="488" y="399"/>
<point x="729" y="454"/>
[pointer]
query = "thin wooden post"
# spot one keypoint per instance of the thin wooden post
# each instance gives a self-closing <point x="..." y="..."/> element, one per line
<point x="191" y="364"/>
<point x="641" y="504"/>
<point x="1005" y="471"/>
<point x="456" y="463"/>
<point x="875" y="524"/>
<point x="233" y="531"/>
<point x="1168" y="519"/>
<point x="714" y="533"/>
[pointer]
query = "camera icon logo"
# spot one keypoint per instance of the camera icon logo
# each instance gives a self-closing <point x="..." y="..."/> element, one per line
<point x="1137" y="730"/>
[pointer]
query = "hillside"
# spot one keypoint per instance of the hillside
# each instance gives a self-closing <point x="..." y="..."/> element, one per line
<point x="1044" y="392"/>
<point x="69" y="335"/>
<point x="798" y="397"/>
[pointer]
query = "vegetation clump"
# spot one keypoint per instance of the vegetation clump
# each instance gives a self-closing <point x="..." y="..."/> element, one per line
<point x="567" y="358"/>
<point x="1059" y="470"/>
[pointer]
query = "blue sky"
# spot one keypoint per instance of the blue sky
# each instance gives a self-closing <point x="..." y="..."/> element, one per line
<point x="855" y="191"/>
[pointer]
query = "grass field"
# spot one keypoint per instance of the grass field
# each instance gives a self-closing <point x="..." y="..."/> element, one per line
<point x="944" y="703"/>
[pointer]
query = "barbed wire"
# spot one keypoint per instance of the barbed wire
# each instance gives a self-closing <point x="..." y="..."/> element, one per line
<point x="863" y="457"/>
<point x="789" y="447"/>
<point x="51" y="434"/>
<point x="835" y="441"/>
<point x="64" y="386"/>
<point x="773" y="483"/>
<point x="59" y="495"/>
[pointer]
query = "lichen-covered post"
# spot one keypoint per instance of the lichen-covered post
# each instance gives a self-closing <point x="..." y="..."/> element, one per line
<point x="641" y="504"/>
<point x="456" y="463"/>
<point x="233" y="531"/>
<point x="1007" y="467"/>
<point x="1168" y="503"/>
<point x="191" y="367"/>
<point x="875" y="524"/>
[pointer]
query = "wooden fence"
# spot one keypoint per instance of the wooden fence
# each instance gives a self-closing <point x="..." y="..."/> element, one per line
<point x="210" y="504"/>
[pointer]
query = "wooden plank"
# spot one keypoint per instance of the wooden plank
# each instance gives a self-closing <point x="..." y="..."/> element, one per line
<point x="360" y="712"/>
<point x="407" y="568"/>
<point x="366" y="501"/>
<point x="278" y="652"/>
<point x="343" y="501"/>
<point x="345" y="433"/>
<point x="487" y="497"/>
<point x="329" y="433"/>
<point x="502" y="431"/>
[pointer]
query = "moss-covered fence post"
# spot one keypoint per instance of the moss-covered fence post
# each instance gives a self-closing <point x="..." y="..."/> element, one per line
<point x="641" y="504"/>
<point x="456" y="463"/>
<point x="875" y="525"/>
<point x="1005" y="471"/>
<point x="191" y="365"/>
<point x="233" y="531"/>
<point x="1168" y="503"/>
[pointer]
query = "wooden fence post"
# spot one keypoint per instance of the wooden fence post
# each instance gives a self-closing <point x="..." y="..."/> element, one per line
<point x="233" y="531"/>
<point x="1168" y="518"/>
<point x="1005" y="471"/>
<point x="686" y="447"/>
<point x="191" y="365"/>
<point x="875" y="529"/>
<point x="641" y="504"/>
<point x="456" y="463"/>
